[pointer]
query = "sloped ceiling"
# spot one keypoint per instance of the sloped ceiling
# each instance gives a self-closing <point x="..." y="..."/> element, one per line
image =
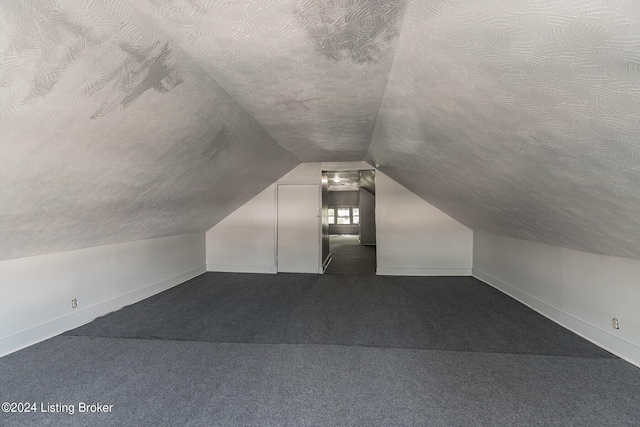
<point x="312" y="72"/>
<point x="131" y="119"/>
<point x="520" y="118"/>
<point x="110" y="132"/>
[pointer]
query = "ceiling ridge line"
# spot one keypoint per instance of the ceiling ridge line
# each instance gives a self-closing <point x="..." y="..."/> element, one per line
<point x="205" y="72"/>
<point x="386" y="82"/>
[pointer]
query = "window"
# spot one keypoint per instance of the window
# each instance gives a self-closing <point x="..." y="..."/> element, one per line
<point x="344" y="215"/>
<point x="332" y="216"/>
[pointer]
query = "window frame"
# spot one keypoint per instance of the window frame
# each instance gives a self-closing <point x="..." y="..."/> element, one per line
<point x="336" y="216"/>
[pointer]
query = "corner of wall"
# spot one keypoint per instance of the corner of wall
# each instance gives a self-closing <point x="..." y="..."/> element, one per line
<point x="415" y="238"/>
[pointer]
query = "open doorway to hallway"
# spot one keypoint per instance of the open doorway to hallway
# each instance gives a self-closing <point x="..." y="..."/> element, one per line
<point x="349" y="234"/>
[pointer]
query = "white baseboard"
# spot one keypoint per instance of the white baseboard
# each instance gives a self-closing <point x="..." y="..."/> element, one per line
<point x="266" y="269"/>
<point x="616" y="345"/>
<point x="57" y="326"/>
<point x="423" y="271"/>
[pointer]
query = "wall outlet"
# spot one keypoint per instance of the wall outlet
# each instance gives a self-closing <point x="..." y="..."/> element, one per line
<point x="74" y="303"/>
<point x="614" y="323"/>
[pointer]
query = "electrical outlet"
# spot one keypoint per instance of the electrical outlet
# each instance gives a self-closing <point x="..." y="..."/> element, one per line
<point x="74" y="303"/>
<point x="614" y="323"/>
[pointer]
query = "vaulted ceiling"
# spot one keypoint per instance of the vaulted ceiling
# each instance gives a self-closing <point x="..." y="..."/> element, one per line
<point x="131" y="119"/>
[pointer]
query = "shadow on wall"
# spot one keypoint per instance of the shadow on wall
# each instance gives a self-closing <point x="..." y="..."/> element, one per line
<point x="350" y="29"/>
<point x="220" y="143"/>
<point x="48" y="40"/>
<point x="28" y="28"/>
<point x="144" y="69"/>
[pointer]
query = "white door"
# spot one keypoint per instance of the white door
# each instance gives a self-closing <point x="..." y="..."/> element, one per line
<point x="298" y="228"/>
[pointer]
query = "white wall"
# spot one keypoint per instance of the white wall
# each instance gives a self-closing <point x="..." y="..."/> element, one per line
<point x="580" y="291"/>
<point x="37" y="291"/>
<point x="245" y="240"/>
<point x="415" y="238"/>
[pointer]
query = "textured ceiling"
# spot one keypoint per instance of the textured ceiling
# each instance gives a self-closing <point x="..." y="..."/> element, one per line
<point x="109" y="132"/>
<point x="312" y="72"/>
<point x="131" y="119"/>
<point x="520" y="118"/>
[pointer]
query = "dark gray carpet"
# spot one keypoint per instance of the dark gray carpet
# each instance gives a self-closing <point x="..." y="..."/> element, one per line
<point x="436" y="313"/>
<point x="348" y="256"/>
<point x="230" y="349"/>
<point x="162" y="383"/>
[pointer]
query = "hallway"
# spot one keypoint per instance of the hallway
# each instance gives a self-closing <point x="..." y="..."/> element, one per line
<point x="350" y="257"/>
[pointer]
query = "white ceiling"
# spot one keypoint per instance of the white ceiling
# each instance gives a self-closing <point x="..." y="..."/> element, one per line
<point x="124" y="119"/>
<point x="312" y="72"/>
<point x="110" y="132"/>
<point x="520" y="118"/>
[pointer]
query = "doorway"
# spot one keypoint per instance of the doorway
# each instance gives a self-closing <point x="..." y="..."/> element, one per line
<point x="350" y="221"/>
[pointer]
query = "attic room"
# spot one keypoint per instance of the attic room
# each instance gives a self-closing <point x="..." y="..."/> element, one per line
<point x="165" y="236"/>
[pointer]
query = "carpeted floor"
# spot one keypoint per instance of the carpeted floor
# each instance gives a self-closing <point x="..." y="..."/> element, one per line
<point x="348" y="256"/>
<point x="229" y="349"/>
<point x="436" y="313"/>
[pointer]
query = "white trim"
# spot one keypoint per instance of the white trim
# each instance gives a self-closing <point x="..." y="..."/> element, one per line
<point x="319" y="215"/>
<point x="299" y="182"/>
<point x="616" y="345"/>
<point x="326" y="262"/>
<point x="268" y="269"/>
<point x="423" y="271"/>
<point x="345" y="166"/>
<point x="275" y="226"/>
<point x="62" y="324"/>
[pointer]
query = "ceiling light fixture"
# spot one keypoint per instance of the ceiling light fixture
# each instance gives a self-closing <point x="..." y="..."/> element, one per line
<point x="336" y="179"/>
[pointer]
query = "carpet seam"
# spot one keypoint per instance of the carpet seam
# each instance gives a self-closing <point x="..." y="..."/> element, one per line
<point x="337" y="345"/>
